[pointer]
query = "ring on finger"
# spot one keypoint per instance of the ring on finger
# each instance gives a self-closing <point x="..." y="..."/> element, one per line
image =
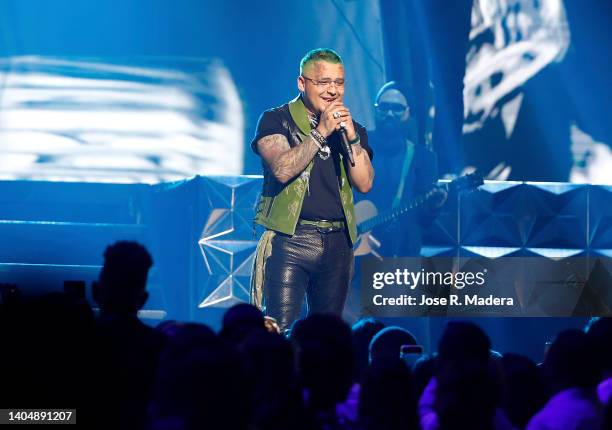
<point x="336" y="115"/>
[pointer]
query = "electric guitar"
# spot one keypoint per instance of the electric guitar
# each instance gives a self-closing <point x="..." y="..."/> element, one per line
<point x="367" y="215"/>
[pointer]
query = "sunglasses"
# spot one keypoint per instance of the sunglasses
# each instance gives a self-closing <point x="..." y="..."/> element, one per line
<point x="393" y="107"/>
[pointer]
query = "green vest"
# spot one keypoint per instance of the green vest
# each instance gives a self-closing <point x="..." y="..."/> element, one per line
<point x="280" y="205"/>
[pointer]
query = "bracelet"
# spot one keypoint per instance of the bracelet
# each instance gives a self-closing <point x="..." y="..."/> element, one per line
<point x="356" y="140"/>
<point x="318" y="138"/>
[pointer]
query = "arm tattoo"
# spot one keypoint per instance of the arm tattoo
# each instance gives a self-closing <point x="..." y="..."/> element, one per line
<point x="284" y="162"/>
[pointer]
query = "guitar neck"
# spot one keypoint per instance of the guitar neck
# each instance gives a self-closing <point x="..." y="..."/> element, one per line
<point x="468" y="182"/>
<point x="391" y="214"/>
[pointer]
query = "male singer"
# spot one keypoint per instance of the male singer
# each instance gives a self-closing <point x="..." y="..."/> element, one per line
<point x="313" y="153"/>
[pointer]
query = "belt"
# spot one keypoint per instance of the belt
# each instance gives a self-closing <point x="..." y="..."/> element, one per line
<point x="324" y="225"/>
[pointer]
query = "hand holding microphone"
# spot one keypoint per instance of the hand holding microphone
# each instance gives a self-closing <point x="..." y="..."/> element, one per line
<point x="338" y="118"/>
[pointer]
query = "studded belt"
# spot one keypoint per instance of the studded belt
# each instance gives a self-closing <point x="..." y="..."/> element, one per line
<point x="323" y="225"/>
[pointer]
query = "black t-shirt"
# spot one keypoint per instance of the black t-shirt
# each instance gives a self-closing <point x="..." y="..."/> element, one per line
<point x="322" y="200"/>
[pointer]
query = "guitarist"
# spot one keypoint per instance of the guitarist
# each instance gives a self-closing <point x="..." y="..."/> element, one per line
<point x="404" y="169"/>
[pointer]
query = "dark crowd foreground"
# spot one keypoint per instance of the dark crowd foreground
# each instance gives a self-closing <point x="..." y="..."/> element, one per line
<point x="122" y="374"/>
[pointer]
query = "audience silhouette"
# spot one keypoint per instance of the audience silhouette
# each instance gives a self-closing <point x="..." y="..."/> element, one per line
<point x="120" y="373"/>
<point x="127" y="350"/>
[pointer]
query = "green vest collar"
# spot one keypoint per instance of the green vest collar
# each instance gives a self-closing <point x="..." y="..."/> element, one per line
<point x="300" y="114"/>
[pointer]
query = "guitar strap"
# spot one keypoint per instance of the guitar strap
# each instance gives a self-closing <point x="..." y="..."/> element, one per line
<point x="405" y="169"/>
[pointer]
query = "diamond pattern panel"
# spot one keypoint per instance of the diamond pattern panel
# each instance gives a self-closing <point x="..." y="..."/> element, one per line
<point x="494" y="216"/>
<point x="501" y="219"/>
<point x="558" y="216"/>
<point x="227" y="241"/>
<point x="553" y="220"/>
<point x="600" y="220"/>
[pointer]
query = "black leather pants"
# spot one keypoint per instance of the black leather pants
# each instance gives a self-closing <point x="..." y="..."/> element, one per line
<point x="312" y="263"/>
